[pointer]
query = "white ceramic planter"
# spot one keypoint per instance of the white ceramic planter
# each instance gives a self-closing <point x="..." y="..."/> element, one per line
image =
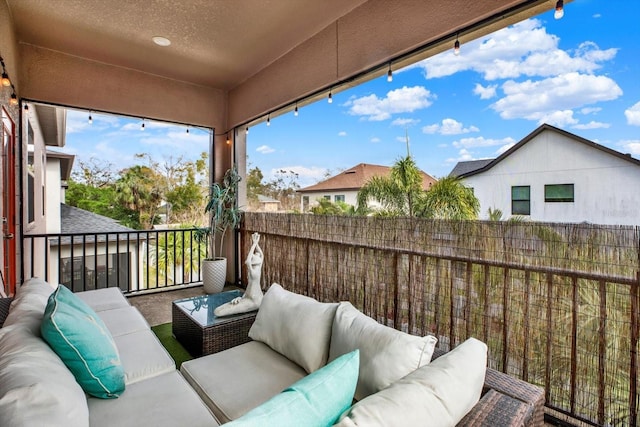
<point x="214" y="275"/>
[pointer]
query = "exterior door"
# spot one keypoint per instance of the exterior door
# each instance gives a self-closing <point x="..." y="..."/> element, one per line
<point x="8" y="203"/>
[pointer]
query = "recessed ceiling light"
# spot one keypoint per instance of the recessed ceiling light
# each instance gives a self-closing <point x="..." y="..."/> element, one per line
<point x="161" y="41"/>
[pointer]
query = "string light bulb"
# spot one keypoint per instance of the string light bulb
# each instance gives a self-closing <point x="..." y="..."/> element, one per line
<point x="246" y="130"/>
<point x="26" y="107"/>
<point x="295" y="112"/>
<point x="559" y="13"/>
<point x="330" y="99"/>
<point x="142" y="125"/>
<point x="456" y="47"/>
<point x="228" y="140"/>
<point x="5" y="79"/>
<point x="13" y="100"/>
<point x="389" y="74"/>
<point x="187" y="129"/>
<point x="269" y="120"/>
<point x="90" y="119"/>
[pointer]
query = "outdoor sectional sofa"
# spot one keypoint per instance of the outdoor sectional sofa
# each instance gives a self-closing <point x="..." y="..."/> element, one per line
<point x="320" y="354"/>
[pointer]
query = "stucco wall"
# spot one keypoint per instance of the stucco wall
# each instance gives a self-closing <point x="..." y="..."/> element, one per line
<point x="604" y="185"/>
<point x="368" y="36"/>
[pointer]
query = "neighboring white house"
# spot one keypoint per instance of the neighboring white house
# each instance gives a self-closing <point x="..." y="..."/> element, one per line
<point x="555" y="176"/>
<point x="345" y="185"/>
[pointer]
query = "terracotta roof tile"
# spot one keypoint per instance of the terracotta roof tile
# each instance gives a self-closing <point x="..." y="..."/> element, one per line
<point x="354" y="178"/>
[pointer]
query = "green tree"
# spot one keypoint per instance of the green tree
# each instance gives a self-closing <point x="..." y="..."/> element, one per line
<point x="255" y="187"/>
<point x="326" y="207"/>
<point x="449" y="198"/>
<point x="138" y="189"/>
<point x="100" y="200"/>
<point x="399" y="193"/>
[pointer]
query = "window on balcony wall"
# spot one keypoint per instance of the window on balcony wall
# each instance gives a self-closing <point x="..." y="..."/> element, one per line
<point x="31" y="177"/>
<point x="339" y="198"/>
<point x="83" y="273"/>
<point x="558" y="193"/>
<point x="521" y="200"/>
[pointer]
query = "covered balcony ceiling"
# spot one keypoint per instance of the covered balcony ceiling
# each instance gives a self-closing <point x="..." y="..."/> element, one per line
<point x="215" y="43"/>
<point x="229" y="62"/>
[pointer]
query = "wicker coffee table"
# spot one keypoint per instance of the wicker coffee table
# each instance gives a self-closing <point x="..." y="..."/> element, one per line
<point x="201" y="332"/>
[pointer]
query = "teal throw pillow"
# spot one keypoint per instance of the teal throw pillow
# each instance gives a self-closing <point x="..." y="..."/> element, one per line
<point x="317" y="400"/>
<point x="83" y="342"/>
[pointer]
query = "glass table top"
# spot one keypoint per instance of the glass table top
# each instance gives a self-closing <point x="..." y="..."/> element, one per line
<point x="200" y="308"/>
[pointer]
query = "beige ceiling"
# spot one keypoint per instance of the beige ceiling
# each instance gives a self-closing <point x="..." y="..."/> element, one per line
<point x="215" y="43"/>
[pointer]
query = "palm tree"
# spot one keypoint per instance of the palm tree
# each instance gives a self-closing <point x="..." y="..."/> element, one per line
<point x="399" y="193"/>
<point x="449" y="198"/>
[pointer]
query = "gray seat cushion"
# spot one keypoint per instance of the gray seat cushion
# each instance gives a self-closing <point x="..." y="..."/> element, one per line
<point x="122" y="321"/>
<point x="237" y="380"/>
<point x="143" y="356"/>
<point x="166" y="400"/>
<point x="104" y="299"/>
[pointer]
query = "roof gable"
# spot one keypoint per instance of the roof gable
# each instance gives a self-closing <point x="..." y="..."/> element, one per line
<point x="538" y="131"/>
<point x="76" y="220"/>
<point x="354" y="178"/>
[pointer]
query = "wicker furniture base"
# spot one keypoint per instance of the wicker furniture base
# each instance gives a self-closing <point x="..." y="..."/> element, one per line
<point x="201" y="340"/>
<point x="506" y="402"/>
<point x="5" y="303"/>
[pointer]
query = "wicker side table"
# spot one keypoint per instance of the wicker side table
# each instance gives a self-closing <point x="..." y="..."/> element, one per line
<point x="201" y="332"/>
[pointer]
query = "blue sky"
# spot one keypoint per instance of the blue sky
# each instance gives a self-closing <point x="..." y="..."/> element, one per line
<point x="580" y="73"/>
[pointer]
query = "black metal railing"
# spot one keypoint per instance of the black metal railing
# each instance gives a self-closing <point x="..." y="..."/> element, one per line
<point x="134" y="261"/>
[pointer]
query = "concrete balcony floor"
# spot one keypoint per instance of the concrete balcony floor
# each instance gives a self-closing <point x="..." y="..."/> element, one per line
<point x="156" y="307"/>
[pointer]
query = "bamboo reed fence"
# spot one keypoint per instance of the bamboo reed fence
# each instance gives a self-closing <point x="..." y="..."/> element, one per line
<point x="557" y="304"/>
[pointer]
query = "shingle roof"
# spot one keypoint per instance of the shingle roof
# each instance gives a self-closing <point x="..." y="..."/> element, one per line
<point x="76" y="220"/>
<point x="354" y="178"/>
<point x="469" y="166"/>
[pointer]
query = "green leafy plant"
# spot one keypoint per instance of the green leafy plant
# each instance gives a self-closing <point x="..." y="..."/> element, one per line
<point x="224" y="212"/>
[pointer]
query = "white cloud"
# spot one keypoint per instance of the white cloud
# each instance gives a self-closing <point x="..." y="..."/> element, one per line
<point x="342" y="133"/>
<point x="265" y="149"/>
<point x="590" y="110"/>
<point x="631" y="146"/>
<point x="448" y="127"/>
<point x="522" y="49"/>
<point x="487" y="92"/>
<point x="592" y="125"/>
<point x="405" y="122"/>
<point x="403" y="139"/>
<point x="537" y="100"/>
<point x="504" y="148"/>
<point x="482" y="142"/>
<point x="633" y="114"/>
<point x="463" y="156"/>
<point x="375" y="139"/>
<point x="403" y="100"/>
<point x="78" y="121"/>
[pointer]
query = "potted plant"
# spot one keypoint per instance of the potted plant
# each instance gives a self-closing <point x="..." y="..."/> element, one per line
<point x="224" y="213"/>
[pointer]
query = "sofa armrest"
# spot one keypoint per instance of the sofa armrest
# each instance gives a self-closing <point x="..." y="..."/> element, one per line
<point x="505" y="401"/>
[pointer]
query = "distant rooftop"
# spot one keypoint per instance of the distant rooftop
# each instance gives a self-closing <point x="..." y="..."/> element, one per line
<point x="462" y="168"/>
<point x="354" y="178"/>
<point x="78" y="221"/>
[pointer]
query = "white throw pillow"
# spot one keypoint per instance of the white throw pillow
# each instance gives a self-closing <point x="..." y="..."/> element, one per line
<point x="296" y="326"/>
<point x="36" y="388"/>
<point x="439" y="394"/>
<point x="28" y="306"/>
<point x="386" y="354"/>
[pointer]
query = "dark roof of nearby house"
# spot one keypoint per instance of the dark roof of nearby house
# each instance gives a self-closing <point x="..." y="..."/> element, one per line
<point x="462" y="168"/>
<point x="538" y="131"/>
<point x="354" y="178"/>
<point x="76" y="220"/>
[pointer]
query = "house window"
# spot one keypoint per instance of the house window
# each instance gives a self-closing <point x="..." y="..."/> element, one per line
<point x="84" y="273"/>
<point x="521" y="200"/>
<point x="558" y="193"/>
<point x="339" y="198"/>
<point x="327" y="198"/>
